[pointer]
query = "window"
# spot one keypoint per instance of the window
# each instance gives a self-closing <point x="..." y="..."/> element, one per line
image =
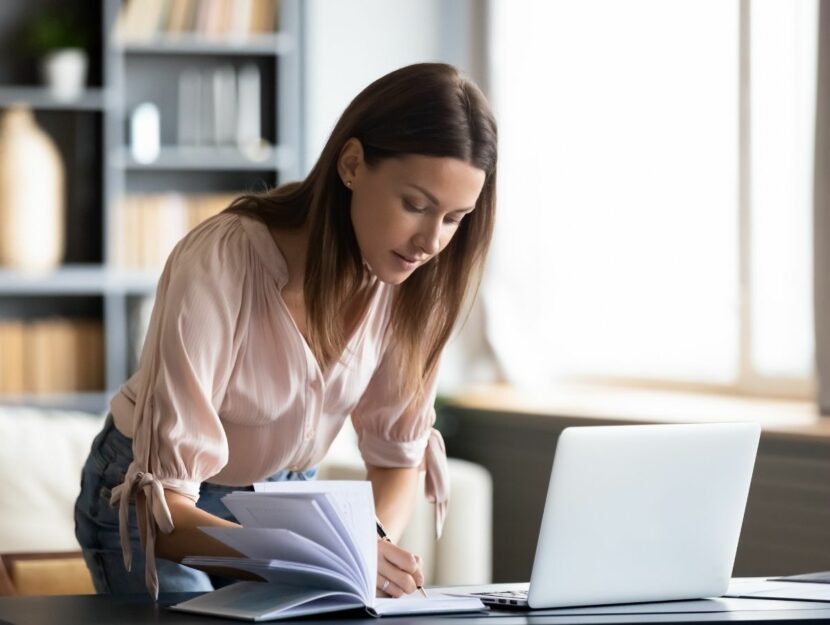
<point x="655" y="190"/>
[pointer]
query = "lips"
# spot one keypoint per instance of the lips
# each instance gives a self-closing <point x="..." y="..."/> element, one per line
<point x="408" y="263"/>
<point x="410" y="259"/>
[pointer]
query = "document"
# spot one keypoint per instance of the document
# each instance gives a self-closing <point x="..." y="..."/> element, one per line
<point x="314" y="545"/>
<point x="773" y="588"/>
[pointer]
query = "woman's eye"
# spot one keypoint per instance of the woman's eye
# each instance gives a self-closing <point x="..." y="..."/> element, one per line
<point x="411" y="207"/>
<point x="452" y="222"/>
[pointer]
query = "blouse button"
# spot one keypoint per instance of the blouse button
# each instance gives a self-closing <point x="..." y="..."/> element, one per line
<point x="310" y="434"/>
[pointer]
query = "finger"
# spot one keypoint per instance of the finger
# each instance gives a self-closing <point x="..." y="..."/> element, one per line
<point x="382" y="586"/>
<point x="401" y="558"/>
<point x="398" y="579"/>
<point x="387" y="588"/>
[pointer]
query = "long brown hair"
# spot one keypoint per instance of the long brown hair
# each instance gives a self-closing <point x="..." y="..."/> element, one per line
<point x="427" y="109"/>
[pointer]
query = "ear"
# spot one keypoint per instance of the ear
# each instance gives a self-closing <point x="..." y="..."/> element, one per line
<point x="350" y="161"/>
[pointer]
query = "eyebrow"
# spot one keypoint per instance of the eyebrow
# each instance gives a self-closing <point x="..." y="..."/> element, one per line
<point x="434" y="200"/>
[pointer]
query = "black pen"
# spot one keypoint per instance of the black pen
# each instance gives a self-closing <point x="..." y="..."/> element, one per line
<point x="383" y="536"/>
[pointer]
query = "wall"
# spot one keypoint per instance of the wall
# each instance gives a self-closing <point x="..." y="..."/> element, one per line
<point x="786" y="528"/>
<point x="350" y="43"/>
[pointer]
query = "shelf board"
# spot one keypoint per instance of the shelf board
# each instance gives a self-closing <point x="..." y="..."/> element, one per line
<point x="202" y="158"/>
<point x="77" y="280"/>
<point x="188" y="43"/>
<point x="84" y="402"/>
<point x="40" y="98"/>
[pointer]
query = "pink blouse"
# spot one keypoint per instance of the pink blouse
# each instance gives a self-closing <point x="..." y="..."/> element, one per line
<point x="228" y="391"/>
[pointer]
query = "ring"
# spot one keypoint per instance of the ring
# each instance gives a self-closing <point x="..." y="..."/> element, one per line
<point x="385" y="586"/>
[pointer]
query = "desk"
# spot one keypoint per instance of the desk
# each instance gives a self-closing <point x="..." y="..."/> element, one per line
<point x="140" y="610"/>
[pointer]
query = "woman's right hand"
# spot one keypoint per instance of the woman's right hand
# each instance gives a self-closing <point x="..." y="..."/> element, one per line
<point x="399" y="571"/>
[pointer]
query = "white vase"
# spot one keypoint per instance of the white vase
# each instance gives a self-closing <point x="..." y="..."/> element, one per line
<point x="64" y="73"/>
<point x="31" y="194"/>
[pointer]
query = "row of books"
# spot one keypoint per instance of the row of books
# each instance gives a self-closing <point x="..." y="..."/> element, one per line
<point x="150" y="225"/>
<point x="221" y="106"/>
<point x="145" y="20"/>
<point x="52" y="355"/>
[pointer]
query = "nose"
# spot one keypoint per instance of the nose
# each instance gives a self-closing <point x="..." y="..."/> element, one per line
<point x="428" y="237"/>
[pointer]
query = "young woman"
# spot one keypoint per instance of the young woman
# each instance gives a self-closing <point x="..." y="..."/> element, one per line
<point x="285" y="314"/>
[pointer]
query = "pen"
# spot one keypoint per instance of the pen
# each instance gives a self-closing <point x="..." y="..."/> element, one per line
<point x="383" y="536"/>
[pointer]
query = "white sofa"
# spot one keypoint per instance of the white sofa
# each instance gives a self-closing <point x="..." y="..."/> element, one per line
<point x="42" y="452"/>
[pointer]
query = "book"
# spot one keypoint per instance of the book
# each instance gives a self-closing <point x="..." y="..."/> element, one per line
<point x="12" y="350"/>
<point x="314" y="544"/>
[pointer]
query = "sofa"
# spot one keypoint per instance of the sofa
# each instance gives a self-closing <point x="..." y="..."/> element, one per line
<point x="41" y="455"/>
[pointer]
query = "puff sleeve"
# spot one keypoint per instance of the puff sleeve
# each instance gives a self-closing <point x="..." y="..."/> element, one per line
<point x="188" y="353"/>
<point x="397" y="431"/>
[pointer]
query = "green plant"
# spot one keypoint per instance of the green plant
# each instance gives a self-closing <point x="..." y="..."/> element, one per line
<point x="54" y="29"/>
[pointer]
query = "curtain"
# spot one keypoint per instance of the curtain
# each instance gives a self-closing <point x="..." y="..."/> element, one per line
<point x="822" y="212"/>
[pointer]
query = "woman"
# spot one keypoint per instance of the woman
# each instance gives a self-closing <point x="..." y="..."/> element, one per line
<point x="288" y="312"/>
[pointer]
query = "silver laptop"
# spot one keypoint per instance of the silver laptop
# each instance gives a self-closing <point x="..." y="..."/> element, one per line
<point x="638" y="513"/>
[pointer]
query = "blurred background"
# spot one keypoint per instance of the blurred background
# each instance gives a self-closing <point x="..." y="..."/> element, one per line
<point x="661" y="252"/>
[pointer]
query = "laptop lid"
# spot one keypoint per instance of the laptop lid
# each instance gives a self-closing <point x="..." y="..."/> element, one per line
<point x="642" y="513"/>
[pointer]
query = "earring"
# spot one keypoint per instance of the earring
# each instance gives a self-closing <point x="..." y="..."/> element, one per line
<point x="349" y="183"/>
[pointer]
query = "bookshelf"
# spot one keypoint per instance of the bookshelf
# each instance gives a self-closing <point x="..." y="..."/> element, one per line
<point x="95" y="282"/>
<point x="40" y="99"/>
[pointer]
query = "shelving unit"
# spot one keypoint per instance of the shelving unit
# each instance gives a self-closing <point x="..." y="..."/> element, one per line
<point x="174" y="158"/>
<point x="77" y="280"/>
<point x="281" y="43"/>
<point x="92" y="135"/>
<point x="40" y="99"/>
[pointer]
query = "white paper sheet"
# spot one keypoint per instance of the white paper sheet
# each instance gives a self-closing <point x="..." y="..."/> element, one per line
<point x="755" y="587"/>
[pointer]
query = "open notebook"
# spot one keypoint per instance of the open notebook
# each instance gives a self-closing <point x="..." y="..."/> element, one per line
<point x="315" y="545"/>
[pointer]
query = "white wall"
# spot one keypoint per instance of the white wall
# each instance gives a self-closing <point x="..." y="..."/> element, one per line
<point x="350" y="43"/>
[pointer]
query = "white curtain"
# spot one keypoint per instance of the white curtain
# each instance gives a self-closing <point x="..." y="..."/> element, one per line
<point x="616" y="243"/>
<point x="822" y="213"/>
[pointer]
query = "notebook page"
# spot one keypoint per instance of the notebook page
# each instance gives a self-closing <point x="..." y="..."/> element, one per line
<point x="301" y="516"/>
<point x="434" y="604"/>
<point x="280" y="544"/>
<point x="283" y="573"/>
<point x="353" y="503"/>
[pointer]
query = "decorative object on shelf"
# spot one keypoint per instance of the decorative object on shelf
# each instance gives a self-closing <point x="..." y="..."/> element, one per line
<point x="59" y="41"/>
<point x="31" y="193"/>
<point x="145" y="132"/>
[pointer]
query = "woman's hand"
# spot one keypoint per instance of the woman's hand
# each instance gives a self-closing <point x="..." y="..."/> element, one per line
<point x="399" y="572"/>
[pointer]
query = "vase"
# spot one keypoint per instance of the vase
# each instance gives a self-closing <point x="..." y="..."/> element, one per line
<point x="63" y="71"/>
<point x="31" y="193"/>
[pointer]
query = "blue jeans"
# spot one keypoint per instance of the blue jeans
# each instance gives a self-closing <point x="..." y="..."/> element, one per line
<point x="96" y="522"/>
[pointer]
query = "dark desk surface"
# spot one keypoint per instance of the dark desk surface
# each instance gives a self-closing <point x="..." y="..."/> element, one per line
<point x="140" y="610"/>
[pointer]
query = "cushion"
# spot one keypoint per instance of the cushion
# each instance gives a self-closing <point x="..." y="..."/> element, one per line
<point x="41" y="456"/>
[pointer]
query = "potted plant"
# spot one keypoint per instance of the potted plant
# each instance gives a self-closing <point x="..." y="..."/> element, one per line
<point x="58" y="39"/>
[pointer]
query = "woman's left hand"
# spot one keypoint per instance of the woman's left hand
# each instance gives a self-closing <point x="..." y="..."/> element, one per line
<point x="399" y="571"/>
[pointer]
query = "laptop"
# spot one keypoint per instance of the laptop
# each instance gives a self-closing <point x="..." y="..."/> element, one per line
<point x="638" y="513"/>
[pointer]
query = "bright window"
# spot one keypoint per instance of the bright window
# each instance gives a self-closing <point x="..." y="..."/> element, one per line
<point x="631" y="242"/>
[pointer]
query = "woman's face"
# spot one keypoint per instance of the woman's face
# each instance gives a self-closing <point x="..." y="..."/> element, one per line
<point x="406" y="210"/>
